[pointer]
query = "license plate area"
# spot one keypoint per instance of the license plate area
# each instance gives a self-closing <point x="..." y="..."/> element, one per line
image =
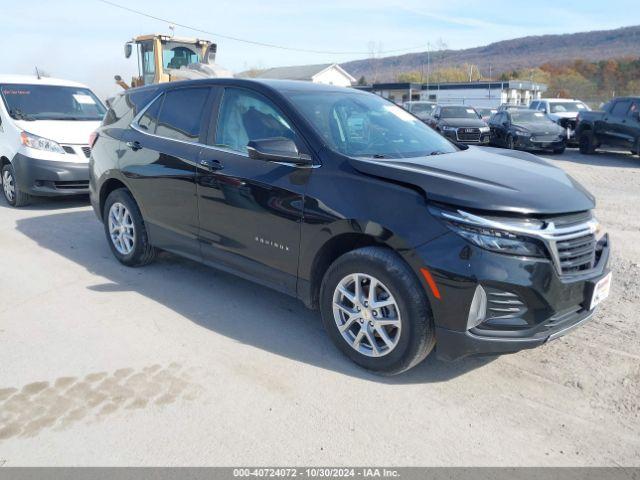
<point x="600" y="291"/>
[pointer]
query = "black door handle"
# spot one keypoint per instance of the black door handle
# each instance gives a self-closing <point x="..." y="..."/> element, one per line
<point x="135" y="146"/>
<point x="210" y="164"/>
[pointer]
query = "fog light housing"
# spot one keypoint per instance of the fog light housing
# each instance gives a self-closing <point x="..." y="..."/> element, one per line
<point x="478" y="309"/>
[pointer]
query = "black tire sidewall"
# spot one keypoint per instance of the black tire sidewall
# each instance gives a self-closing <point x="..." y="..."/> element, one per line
<point x="8" y="167"/>
<point x="417" y="332"/>
<point x="510" y="143"/>
<point x="136" y="256"/>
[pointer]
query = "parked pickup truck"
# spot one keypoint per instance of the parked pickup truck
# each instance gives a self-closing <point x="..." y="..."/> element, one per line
<point x="617" y="125"/>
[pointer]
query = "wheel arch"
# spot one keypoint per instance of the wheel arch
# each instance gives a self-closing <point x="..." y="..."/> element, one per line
<point x="337" y="245"/>
<point x="106" y="188"/>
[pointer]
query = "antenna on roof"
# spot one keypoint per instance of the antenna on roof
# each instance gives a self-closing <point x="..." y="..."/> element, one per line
<point x="38" y="73"/>
<point x="172" y="27"/>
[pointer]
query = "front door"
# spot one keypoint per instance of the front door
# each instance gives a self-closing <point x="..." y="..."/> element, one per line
<point x="250" y="210"/>
<point x="615" y="124"/>
<point x="159" y="159"/>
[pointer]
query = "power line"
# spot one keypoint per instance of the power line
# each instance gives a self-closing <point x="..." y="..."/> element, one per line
<point x="253" y="42"/>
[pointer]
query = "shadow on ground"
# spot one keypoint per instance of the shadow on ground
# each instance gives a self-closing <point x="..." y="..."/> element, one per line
<point x="221" y="302"/>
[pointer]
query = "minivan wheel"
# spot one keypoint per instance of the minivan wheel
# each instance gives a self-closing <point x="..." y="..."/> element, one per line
<point x="376" y="312"/>
<point x="12" y="193"/>
<point x="125" y="230"/>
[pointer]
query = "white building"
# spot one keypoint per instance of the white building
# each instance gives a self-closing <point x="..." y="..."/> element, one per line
<point x="477" y="94"/>
<point x="327" y="73"/>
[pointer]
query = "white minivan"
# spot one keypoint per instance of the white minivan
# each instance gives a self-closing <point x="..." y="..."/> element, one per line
<point x="45" y="125"/>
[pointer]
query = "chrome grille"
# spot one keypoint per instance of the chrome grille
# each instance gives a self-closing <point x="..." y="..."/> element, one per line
<point x="577" y="255"/>
<point x="468" y="134"/>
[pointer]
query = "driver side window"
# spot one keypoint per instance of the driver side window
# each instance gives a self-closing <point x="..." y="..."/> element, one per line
<point x="245" y="116"/>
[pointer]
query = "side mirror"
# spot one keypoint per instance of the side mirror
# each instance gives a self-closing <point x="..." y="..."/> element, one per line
<point x="278" y="149"/>
<point x="128" y="49"/>
<point x="505" y="123"/>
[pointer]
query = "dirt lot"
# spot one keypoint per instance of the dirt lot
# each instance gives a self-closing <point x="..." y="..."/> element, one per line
<point x="177" y="364"/>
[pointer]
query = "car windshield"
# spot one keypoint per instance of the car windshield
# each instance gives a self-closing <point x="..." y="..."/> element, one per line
<point x="365" y="125"/>
<point x="51" y="102"/>
<point x="458" y="112"/>
<point x="572" y="107"/>
<point x="528" y="116"/>
<point x="422" y="108"/>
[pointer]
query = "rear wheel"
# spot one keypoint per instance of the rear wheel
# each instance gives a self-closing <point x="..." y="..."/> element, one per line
<point x="587" y="146"/>
<point x="376" y="312"/>
<point x="125" y="230"/>
<point x="12" y="193"/>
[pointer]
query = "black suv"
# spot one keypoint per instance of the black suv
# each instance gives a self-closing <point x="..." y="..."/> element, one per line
<point x="402" y="239"/>
<point x="461" y="123"/>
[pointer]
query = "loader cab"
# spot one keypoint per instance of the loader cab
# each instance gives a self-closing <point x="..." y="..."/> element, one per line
<point x="160" y="57"/>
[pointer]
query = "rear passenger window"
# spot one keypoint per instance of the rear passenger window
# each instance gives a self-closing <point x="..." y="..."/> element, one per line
<point x="181" y="114"/>
<point x="149" y="121"/>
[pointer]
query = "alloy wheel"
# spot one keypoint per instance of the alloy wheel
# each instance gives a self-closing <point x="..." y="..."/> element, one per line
<point x="121" y="228"/>
<point x="367" y="315"/>
<point x="8" y="185"/>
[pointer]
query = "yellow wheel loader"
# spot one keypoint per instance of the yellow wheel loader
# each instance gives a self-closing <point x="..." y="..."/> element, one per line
<point x="163" y="58"/>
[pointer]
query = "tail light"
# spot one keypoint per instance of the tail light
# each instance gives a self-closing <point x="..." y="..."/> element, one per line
<point x="92" y="139"/>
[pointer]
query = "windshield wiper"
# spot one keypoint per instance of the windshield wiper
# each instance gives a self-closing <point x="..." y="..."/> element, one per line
<point x="17" y="114"/>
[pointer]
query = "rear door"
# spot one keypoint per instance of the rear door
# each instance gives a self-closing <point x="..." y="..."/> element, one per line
<point x="159" y="156"/>
<point x="614" y="128"/>
<point x="250" y="210"/>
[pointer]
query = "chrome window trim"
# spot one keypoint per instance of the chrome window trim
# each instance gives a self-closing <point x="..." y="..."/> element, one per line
<point x="134" y="125"/>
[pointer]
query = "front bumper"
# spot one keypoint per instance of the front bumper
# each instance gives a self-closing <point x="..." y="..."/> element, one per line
<point x="467" y="139"/>
<point x="531" y="143"/>
<point x="50" y="178"/>
<point x="551" y="305"/>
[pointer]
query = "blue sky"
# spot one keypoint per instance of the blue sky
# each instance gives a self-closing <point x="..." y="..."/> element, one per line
<point x="83" y="39"/>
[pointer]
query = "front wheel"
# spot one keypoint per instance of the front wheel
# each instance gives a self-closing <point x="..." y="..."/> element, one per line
<point x="510" y="143"/>
<point x="376" y="312"/>
<point x="12" y="193"/>
<point x="125" y="230"/>
<point x="559" y="151"/>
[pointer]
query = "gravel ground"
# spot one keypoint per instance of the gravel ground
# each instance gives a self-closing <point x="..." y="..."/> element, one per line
<point x="177" y="364"/>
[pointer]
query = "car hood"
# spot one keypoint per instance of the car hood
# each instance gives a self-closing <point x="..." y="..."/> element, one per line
<point x="539" y="128"/>
<point x="486" y="179"/>
<point x="60" y="131"/>
<point x="559" y="115"/>
<point x="463" y="122"/>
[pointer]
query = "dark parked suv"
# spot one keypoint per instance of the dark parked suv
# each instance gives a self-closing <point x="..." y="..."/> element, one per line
<point x="402" y="239"/>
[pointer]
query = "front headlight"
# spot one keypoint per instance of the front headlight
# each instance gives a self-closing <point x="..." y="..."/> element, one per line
<point x="493" y="239"/>
<point x="499" y="240"/>
<point x="39" y="143"/>
<point x="484" y="129"/>
<point x="523" y="133"/>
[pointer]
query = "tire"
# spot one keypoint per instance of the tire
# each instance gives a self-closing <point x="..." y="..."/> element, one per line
<point x="409" y="322"/>
<point x="12" y="193"/>
<point x="133" y="248"/>
<point x="586" y="145"/>
<point x="510" y="143"/>
<point x="559" y="151"/>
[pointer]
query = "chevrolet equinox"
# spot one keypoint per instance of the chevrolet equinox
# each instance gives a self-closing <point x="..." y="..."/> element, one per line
<point x="404" y="240"/>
